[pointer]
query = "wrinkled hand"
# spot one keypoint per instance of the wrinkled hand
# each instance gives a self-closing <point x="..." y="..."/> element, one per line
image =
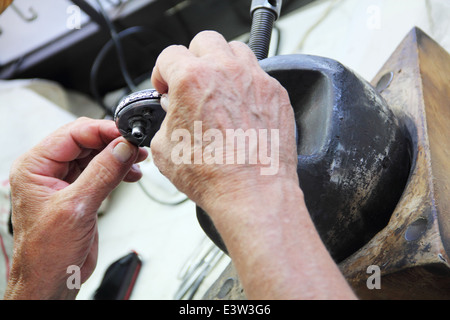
<point x="220" y="86"/>
<point x="261" y="216"/>
<point x="56" y="190"/>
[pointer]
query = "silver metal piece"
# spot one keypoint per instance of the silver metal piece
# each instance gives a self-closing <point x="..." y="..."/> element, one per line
<point x="138" y="130"/>
<point x="197" y="271"/>
<point x="139" y="116"/>
<point x="193" y="258"/>
<point x="264" y="14"/>
<point x="136" y="96"/>
<point x="273" y="5"/>
<point x="385" y="82"/>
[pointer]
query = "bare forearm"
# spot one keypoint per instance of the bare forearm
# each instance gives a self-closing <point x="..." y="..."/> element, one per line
<point x="37" y="291"/>
<point x="29" y="279"/>
<point x="275" y="247"/>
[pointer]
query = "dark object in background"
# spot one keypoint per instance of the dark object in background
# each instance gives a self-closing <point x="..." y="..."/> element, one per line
<point x="68" y="60"/>
<point x="119" y="278"/>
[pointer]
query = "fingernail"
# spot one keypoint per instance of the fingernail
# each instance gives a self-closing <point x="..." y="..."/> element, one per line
<point x="122" y="152"/>
<point x="136" y="168"/>
<point x="165" y="101"/>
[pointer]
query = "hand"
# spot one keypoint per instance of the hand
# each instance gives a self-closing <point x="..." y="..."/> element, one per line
<point x="57" y="188"/>
<point x="260" y="214"/>
<point x="220" y="87"/>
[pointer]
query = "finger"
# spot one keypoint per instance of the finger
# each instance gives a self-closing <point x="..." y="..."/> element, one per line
<point x="142" y="155"/>
<point x="134" y="175"/>
<point x="49" y="157"/>
<point x="169" y="62"/>
<point x="85" y="153"/>
<point x="243" y="51"/>
<point x="83" y="162"/>
<point x="76" y="167"/>
<point x="103" y="174"/>
<point x="158" y="148"/>
<point x="209" y="43"/>
<point x="165" y="102"/>
<point x="68" y="142"/>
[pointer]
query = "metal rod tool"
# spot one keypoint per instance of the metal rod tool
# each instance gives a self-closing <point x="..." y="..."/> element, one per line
<point x="264" y="14"/>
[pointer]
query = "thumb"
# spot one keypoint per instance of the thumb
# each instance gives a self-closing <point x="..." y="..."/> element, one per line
<point x="104" y="173"/>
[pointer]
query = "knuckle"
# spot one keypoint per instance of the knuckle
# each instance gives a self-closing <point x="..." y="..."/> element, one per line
<point x="173" y="49"/>
<point x="206" y="35"/>
<point x="78" y="123"/>
<point x="155" y="146"/>
<point x="192" y="76"/>
<point x="82" y="120"/>
<point x="243" y="50"/>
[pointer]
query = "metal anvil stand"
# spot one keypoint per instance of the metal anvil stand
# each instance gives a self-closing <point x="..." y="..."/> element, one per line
<point x="412" y="252"/>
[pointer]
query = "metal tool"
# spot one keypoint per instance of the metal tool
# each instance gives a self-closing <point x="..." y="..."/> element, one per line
<point x="197" y="271"/>
<point x="264" y="13"/>
<point x="139" y="116"/>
